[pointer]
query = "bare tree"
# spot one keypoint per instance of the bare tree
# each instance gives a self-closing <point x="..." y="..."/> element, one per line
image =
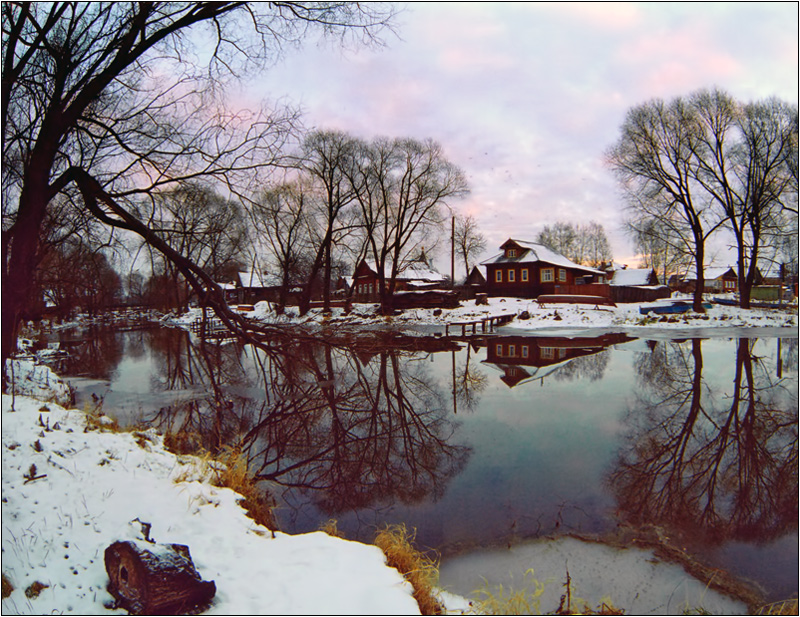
<point x="280" y="217"/>
<point x="584" y="244"/>
<point x="327" y="156"/>
<point x="401" y="186"/>
<point x="200" y="225"/>
<point x="469" y="241"/>
<point x="658" y="247"/>
<point x="110" y="99"/>
<point x="741" y="164"/>
<point x="706" y="161"/>
<point x="655" y="163"/>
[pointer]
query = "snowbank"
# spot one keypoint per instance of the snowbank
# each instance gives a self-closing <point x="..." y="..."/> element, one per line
<point x="69" y="492"/>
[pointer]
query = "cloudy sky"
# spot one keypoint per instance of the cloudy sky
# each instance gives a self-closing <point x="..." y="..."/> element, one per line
<point x="526" y="97"/>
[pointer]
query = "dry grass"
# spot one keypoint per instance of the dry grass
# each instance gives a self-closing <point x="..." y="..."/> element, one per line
<point x="417" y="568"/>
<point x="235" y="476"/>
<point x="7" y="586"/>
<point x="786" y="607"/>
<point x="502" y="601"/>
<point x="331" y="528"/>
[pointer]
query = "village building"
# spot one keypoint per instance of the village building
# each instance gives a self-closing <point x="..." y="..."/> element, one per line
<point x="528" y="270"/>
<point x="633" y="277"/>
<point x="418" y="275"/>
<point x="716" y="280"/>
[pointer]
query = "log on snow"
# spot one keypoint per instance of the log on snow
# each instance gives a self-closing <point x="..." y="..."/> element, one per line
<point x="155" y="579"/>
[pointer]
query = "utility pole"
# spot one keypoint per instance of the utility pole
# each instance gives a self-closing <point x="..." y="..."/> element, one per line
<point x="452" y="251"/>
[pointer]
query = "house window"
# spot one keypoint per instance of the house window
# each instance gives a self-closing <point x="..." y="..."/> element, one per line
<point x="498" y="276"/>
<point x="524" y="351"/>
<point x="498" y="350"/>
<point x="547" y="275"/>
<point x="512" y="350"/>
<point x="524" y="275"/>
<point x="511" y="276"/>
<point x="512" y="253"/>
<point x="562" y="275"/>
<point x="370" y="288"/>
<point x="547" y="353"/>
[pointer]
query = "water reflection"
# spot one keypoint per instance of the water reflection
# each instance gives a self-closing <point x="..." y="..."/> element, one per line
<point x="524" y="358"/>
<point x="352" y="427"/>
<point x="697" y="437"/>
<point x="715" y="465"/>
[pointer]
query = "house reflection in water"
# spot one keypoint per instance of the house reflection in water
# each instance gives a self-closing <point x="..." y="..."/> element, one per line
<point x="526" y="358"/>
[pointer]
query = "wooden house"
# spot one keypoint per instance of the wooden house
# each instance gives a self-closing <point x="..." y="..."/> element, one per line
<point x="636" y="285"/>
<point x="717" y="280"/>
<point x="527" y="270"/>
<point x="417" y="275"/>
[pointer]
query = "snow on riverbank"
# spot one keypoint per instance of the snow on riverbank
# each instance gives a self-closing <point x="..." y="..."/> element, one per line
<point x="90" y="486"/>
<point x="567" y="317"/>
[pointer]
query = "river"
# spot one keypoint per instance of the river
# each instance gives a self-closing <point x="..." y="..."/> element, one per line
<point x="489" y="442"/>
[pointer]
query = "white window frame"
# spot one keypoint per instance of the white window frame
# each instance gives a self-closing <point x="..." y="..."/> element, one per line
<point x="547" y="275"/>
<point x="562" y="275"/>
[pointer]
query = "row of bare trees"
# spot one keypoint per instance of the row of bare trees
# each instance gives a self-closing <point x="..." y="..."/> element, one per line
<point x="697" y="164"/>
<point x="106" y="103"/>
<point x="352" y="199"/>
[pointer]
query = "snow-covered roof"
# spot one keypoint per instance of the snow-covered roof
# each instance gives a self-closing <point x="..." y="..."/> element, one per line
<point x="254" y="278"/>
<point x="709" y="274"/>
<point x="632" y="277"/>
<point x="411" y="273"/>
<point x="538" y="252"/>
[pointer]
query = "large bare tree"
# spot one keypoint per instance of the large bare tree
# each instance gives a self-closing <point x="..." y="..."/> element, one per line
<point x="654" y="160"/>
<point x="112" y="100"/>
<point x="706" y="161"/>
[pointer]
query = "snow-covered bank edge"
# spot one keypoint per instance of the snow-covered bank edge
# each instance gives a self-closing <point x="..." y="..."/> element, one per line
<point x="70" y="490"/>
<point x="529" y="318"/>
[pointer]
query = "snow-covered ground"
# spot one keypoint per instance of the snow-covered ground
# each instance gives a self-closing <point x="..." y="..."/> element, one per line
<point x="564" y="318"/>
<point x="70" y="490"/>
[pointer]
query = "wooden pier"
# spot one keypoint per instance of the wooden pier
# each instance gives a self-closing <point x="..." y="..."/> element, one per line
<point x="485" y="322"/>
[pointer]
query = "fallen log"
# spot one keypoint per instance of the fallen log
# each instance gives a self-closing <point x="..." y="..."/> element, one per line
<point x="156" y="579"/>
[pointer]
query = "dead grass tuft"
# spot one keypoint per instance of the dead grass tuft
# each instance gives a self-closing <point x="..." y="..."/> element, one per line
<point x="183" y="442"/>
<point x="35" y="589"/>
<point x="417" y="568"/>
<point x="786" y="607"/>
<point x="7" y="586"/>
<point x="234" y="475"/>
<point x="331" y="528"/>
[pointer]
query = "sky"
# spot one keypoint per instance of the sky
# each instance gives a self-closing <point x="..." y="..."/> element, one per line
<point x="527" y="97"/>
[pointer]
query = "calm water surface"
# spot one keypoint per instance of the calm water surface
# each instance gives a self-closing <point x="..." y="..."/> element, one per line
<point x="491" y="443"/>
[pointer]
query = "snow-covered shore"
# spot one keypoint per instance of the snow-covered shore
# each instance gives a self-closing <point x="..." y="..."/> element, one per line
<point x="567" y="319"/>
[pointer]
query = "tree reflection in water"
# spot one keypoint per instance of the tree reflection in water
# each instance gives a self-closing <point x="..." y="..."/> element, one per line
<point x="353" y="429"/>
<point x="713" y="467"/>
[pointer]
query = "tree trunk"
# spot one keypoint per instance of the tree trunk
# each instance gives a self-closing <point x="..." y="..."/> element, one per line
<point x="20" y="267"/>
<point x="155" y="579"/>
